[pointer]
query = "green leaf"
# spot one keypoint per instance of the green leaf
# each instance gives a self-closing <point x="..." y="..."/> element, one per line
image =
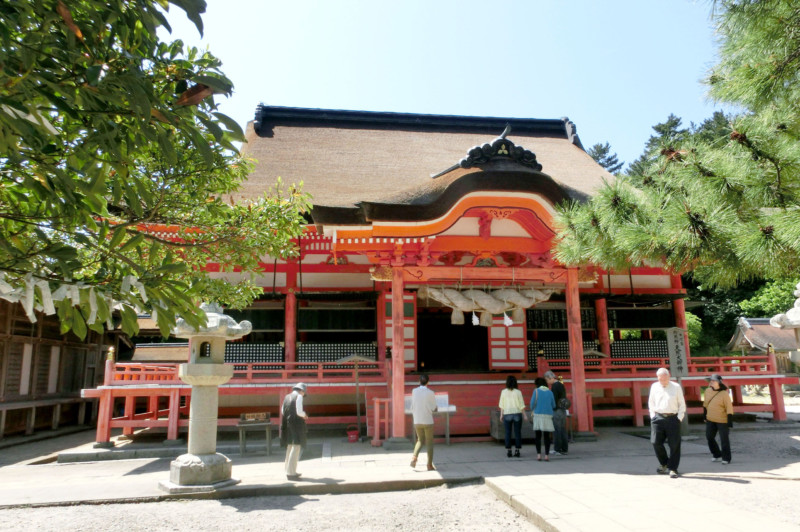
<point x="130" y="321"/>
<point x="78" y="324"/>
<point x="134" y="242"/>
<point x="119" y="233"/>
<point x="216" y="83"/>
<point x="231" y="124"/>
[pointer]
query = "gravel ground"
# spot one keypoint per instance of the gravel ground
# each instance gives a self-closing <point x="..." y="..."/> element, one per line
<point x="462" y="508"/>
<point x="471" y="507"/>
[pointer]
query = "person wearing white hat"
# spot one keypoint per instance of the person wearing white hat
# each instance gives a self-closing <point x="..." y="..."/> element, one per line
<point x="293" y="428"/>
<point x="718" y="410"/>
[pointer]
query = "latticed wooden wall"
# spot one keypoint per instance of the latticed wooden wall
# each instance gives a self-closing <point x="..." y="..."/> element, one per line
<point x="331" y="352"/>
<point x="241" y="352"/>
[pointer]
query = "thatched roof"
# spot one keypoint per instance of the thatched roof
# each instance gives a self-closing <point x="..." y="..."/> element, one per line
<point x="345" y="158"/>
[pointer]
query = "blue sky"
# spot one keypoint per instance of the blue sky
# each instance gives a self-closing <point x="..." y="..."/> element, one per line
<point x="614" y="67"/>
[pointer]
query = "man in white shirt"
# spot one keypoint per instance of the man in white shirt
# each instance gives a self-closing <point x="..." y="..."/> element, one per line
<point x="667" y="408"/>
<point x="423" y="405"/>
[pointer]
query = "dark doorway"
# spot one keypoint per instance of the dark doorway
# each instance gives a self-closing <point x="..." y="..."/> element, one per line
<point x="446" y="347"/>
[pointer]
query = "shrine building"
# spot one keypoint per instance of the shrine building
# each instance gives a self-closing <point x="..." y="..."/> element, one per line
<point x="429" y="249"/>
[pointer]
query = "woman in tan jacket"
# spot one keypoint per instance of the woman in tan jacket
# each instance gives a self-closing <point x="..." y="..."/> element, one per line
<point x="718" y="410"/>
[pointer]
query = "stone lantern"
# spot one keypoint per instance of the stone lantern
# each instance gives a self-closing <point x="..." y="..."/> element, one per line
<point x="202" y="468"/>
<point x="791" y="318"/>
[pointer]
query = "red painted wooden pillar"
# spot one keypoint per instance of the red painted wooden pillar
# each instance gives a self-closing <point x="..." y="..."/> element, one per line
<point x="174" y="413"/>
<point x="398" y="356"/>
<point x="290" y="314"/>
<point x="679" y="307"/>
<point x="290" y="327"/>
<point x="576" y="350"/>
<point x="381" y="322"/>
<point x="601" y="318"/>
<point x="603" y="339"/>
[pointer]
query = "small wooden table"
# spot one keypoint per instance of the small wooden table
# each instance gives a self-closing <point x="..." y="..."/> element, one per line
<point x="443" y="408"/>
<point x="258" y="420"/>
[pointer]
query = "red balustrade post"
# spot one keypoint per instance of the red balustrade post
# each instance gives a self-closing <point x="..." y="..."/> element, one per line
<point x="778" y="406"/>
<point x="152" y="406"/>
<point x="174" y="414"/>
<point x="737" y="395"/>
<point x="130" y="408"/>
<point x="376" y="413"/>
<point x="541" y="365"/>
<point x="104" y="414"/>
<point x="772" y="362"/>
<point x="108" y="376"/>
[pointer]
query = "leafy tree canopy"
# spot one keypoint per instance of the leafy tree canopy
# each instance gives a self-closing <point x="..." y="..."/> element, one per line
<point x="775" y="297"/>
<point x="725" y="208"/>
<point x="115" y="165"/>
<point x="601" y="153"/>
<point x="694" y="328"/>
<point x="667" y="132"/>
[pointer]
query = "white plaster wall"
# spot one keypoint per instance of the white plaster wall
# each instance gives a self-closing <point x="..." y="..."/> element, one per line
<point x="507" y="228"/>
<point x="261" y="279"/>
<point x="463" y="227"/>
<point x="639" y="281"/>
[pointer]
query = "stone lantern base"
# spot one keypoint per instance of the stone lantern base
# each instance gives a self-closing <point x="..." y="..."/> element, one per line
<point x="191" y="473"/>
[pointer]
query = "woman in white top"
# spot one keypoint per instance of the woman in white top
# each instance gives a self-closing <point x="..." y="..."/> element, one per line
<point x="512" y="411"/>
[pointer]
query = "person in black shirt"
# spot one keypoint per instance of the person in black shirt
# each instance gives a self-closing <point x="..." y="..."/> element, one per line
<point x="561" y="443"/>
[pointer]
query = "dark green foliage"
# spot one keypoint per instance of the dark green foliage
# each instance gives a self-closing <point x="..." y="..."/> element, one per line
<point x="775" y="297"/>
<point x="721" y="199"/>
<point x="601" y="153"/>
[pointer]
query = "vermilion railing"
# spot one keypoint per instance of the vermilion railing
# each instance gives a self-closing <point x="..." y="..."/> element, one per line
<point x="136" y="373"/>
<point x="751" y="364"/>
<point x="271" y="372"/>
<point x="734" y="364"/>
<point x="256" y="372"/>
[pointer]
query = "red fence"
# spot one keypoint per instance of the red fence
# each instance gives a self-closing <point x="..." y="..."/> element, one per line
<point x="647" y="366"/>
<point x="621" y="382"/>
<point x="255" y="373"/>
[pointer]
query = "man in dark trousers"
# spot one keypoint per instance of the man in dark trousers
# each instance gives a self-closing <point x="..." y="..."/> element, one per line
<point x="561" y="443"/>
<point x="667" y="408"/>
<point x="293" y="428"/>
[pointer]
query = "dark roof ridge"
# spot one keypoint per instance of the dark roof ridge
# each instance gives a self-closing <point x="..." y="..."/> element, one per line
<point x="267" y="115"/>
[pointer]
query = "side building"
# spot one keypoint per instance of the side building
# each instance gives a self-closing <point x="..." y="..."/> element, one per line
<point x="42" y="373"/>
